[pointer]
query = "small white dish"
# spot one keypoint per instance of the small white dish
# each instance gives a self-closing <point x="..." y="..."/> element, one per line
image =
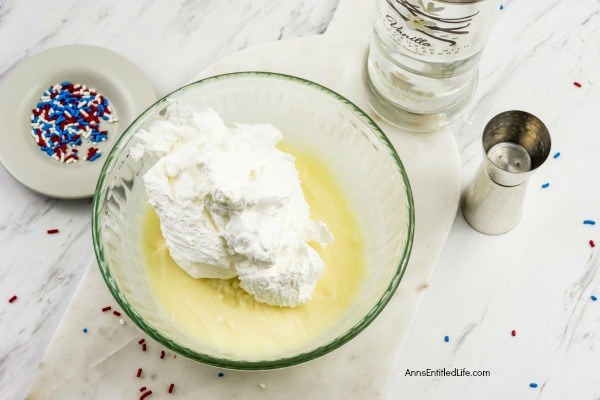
<point x="129" y="93"/>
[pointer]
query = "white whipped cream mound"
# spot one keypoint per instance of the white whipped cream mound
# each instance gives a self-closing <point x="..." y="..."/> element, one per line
<point x="230" y="204"/>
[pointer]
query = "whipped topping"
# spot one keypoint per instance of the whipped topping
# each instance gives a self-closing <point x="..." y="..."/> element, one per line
<point x="230" y="204"/>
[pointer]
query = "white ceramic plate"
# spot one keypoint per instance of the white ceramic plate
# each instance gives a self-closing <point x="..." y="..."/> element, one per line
<point x="128" y="91"/>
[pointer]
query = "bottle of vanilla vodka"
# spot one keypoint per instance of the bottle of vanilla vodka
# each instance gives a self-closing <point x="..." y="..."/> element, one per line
<point x="422" y="66"/>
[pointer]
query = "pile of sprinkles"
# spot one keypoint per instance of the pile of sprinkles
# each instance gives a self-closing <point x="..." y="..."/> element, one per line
<point x="66" y="115"/>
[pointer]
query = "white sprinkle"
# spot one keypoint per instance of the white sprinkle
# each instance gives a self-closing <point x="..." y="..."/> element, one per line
<point x="262" y="385"/>
<point x="122" y="322"/>
<point x="591" y="81"/>
<point x="59" y="277"/>
<point x="68" y="115"/>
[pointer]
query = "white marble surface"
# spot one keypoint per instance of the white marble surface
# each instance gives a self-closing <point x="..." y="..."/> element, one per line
<point x="537" y="279"/>
<point x="369" y="360"/>
<point x="171" y="41"/>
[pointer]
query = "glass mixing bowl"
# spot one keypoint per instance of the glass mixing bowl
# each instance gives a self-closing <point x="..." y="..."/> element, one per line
<point x="310" y="116"/>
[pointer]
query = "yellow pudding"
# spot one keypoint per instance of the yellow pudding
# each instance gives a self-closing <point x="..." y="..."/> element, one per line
<point x="221" y="316"/>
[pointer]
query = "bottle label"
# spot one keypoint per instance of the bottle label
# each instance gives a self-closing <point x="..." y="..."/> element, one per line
<point x="433" y="28"/>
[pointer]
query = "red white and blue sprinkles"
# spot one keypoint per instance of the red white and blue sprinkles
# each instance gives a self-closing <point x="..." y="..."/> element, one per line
<point x="66" y="115"/>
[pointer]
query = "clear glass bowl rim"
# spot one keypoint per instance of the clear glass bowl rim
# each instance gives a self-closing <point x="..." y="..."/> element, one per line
<point x="98" y="202"/>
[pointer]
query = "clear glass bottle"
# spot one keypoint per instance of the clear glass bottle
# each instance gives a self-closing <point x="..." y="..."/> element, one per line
<point x="422" y="65"/>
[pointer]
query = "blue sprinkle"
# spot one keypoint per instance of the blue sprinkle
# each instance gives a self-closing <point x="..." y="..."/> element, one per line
<point x="501" y="7"/>
<point x="85" y="330"/>
<point x="594" y="298"/>
<point x="557" y="155"/>
<point x="545" y="185"/>
<point x="446" y="339"/>
<point x="65" y="83"/>
<point x="221" y="374"/>
<point x="589" y="222"/>
<point x="533" y="385"/>
<point x="94" y="157"/>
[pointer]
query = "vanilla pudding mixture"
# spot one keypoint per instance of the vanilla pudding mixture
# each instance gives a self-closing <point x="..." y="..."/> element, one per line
<point x="290" y="264"/>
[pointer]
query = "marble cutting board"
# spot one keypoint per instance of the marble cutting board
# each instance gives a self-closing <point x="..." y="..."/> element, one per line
<point x="102" y="364"/>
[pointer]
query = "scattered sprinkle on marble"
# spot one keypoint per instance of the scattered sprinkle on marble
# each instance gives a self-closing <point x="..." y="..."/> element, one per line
<point x="589" y="222"/>
<point x="171" y="387"/>
<point x="501" y="7"/>
<point x="593" y="297"/>
<point x="141" y="341"/>
<point x="59" y="277"/>
<point x="143" y="388"/>
<point x="262" y="385"/>
<point x="143" y="346"/>
<point x="221" y="374"/>
<point x="144" y="395"/>
<point x="545" y="185"/>
<point x="533" y="385"/>
<point x="591" y="81"/>
<point x="592" y="244"/>
<point x="162" y="354"/>
<point x="105" y="309"/>
<point x="557" y="154"/>
<point x="139" y="372"/>
<point x="13" y="299"/>
<point x="513" y="332"/>
<point x="122" y="322"/>
<point x="118" y="314"/>
<point x="446" y="339"/>
<point x="85" y="330"/>
<point x="52" y="231"/>
<point x="577" y="84"/>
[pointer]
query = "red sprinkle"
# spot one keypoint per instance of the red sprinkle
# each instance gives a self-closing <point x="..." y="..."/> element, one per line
<point x="577" y="84"/>
<point x="142" y="388"/>
<point x="141" y="341"/>
<point x="514" y="333"/>
<point x="162" y="354"/>
<point x="12" y="299"/>
<point x="105" y="309"/>
<point x="52" y="231"/>
<point x="139" y="373"/>
<point x="171" y="387"/>
<point x="143" y="346"/>
<point x="148" y="393"/>
<point x="592" y="244"/>
<point x="118" y="314"/>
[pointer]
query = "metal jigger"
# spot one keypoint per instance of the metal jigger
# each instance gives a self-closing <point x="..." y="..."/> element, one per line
<point x="515" y="144"/>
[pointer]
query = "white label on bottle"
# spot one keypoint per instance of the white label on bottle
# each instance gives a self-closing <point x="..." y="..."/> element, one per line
<point x="435" y="29"/>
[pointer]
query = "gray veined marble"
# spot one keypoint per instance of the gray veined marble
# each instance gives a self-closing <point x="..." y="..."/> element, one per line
<point x="538" y="279"/>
